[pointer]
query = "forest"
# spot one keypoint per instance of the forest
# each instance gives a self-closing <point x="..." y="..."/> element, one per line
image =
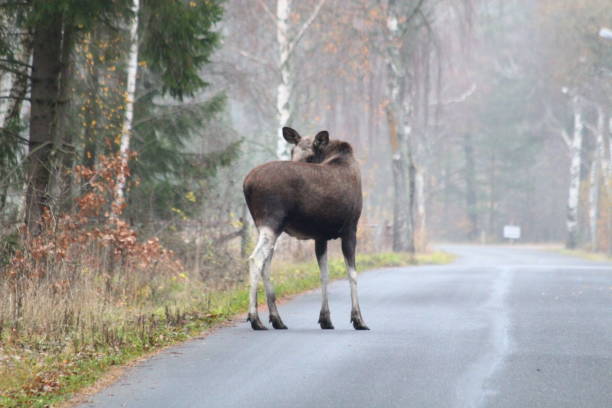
<point x="127" y="128"/>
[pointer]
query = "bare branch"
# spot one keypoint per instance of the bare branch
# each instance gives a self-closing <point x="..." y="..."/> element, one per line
<point x="553" y="122"/>
<point x="252" y="57"/>
<point x="591" y="128"/>
<point x="16" y="97"/>
<point x="14" y="61"/>
<point x="416" y="10"/>
<point x="269" y="12"/>
<point x="305" y="27"/>
<point x="461" y="98"/>
<point x="14" y="71"/>
<point x="565" y="137"/>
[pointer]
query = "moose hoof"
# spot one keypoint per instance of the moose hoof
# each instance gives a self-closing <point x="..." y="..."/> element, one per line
<point x="360" y="326"/>
<point x="325" y="321"/>
<point x="277" y="323"/>
<point x="357" y="321"/>
<point x="256" y="324"/>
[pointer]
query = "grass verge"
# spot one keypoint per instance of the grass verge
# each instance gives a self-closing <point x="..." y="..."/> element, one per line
<point x="584" y="254"/>
<point x="39" y="373"/>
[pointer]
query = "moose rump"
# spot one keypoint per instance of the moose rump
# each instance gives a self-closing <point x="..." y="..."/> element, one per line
<point x="315" y="196"/>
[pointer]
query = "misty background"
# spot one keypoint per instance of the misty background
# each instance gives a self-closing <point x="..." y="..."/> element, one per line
<point x="499" y="111"/>
<point x="466" y="116"/>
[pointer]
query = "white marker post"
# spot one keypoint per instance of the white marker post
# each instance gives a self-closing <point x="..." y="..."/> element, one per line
<point x="605" y="33"/>
<point x="512" y="233"/>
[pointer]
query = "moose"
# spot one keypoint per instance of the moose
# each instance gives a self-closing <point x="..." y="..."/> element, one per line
<point x="316" y="195"/>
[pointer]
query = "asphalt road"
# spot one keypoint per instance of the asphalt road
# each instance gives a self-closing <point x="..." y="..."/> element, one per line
<point x="501" y="327"/>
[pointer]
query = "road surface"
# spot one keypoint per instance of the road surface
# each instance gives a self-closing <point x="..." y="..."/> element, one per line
<point x="501" y="327"/>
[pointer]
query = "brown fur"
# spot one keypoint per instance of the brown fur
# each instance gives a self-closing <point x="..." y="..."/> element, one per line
<point x="320" y="200"/>
<point x="316" y="196"/>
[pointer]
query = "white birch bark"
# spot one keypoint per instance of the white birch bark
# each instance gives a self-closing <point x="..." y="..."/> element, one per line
<point x="126" y="129"/>
<point x="286" y="47"/>
<point x="6" y="85"/>
<point x="420" y="226"/>
<point x="598" y="174"/>
<point x="7" y="79"/>
<point x="283" y="90"/>
<point x="574" y="185"/>
<point x="594" y="202"/>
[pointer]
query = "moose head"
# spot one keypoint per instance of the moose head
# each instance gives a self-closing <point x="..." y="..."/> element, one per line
<point x="306" y="149"/>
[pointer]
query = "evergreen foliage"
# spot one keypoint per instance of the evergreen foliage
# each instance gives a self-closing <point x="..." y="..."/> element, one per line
<point x="178" y="40"/>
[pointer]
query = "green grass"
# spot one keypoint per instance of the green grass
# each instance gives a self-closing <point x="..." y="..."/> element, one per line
<point x="37" y="375"/>
<point x="584" y="254"/>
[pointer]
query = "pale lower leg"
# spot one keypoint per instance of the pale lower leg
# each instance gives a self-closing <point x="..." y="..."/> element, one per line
<point x="257" y="262"/>
<point x="348" y="250"/>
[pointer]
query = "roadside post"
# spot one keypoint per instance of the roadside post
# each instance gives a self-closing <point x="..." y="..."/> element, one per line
<point x="512" y="233"/>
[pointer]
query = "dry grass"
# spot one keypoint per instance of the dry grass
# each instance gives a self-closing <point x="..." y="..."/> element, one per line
<point x="87" y="295"/>
<point x="65" y="340"/>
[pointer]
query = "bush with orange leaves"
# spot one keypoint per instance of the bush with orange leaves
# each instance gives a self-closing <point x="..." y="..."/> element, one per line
<point x="89" y="253"/>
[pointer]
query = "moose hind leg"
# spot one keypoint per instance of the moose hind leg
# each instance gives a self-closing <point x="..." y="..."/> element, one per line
<point x="348" y="250"/>
<point x="275" y="319"/>
<point x="321" y="253"/>
<point x="257" y="261"/>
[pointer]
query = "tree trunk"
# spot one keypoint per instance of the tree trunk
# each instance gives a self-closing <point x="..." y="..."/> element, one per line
<point x="93" y="109"/>
<point x="574" y="185"/>
<point x="286" y="47"/>
<point x="492" y="195"/>
<point x="126" y="129"/>
<point x="594" y="202"/>
<point x="283" y="90"/>
<point x="402" y="241"/>
<point x="46" y="68"/>
<point x="603" y="141"/>
<point x="420" y="217"/>
<point x="62" y="154"/>
<point x="11" y="116"/>
<point x="598" y="175"/>
<point x="470" y="187"/>
<point x="7" y="79"/>
<point x="6" y="86"/>
<point x="398" y="115"/>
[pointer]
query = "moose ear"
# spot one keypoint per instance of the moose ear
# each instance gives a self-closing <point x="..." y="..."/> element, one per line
<point x="291" y="135"/>
<point x="321" y="140"/>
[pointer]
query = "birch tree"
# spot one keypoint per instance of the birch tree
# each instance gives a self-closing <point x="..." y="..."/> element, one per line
<point x="286" y="49"/>
<point x="7" y="78"/>
<point x="598" y="175"/>
<point x="130" y="92"/>
<point x="399" y="112"/>
<point x="6" y="85"/>
<point x="575" y="149"/>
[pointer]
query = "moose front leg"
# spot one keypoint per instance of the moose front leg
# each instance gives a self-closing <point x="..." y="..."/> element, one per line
<point x="321" y="252"/>
<point x="257" y="262"/>
<point x="349" y="243"/>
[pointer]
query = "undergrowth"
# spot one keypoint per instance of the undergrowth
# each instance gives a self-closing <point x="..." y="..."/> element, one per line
<point x="40" y="371"/>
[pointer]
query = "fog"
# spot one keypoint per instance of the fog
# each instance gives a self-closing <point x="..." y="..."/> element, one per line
<point x="479" y="105"/>
<point x="466" y="116"/>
